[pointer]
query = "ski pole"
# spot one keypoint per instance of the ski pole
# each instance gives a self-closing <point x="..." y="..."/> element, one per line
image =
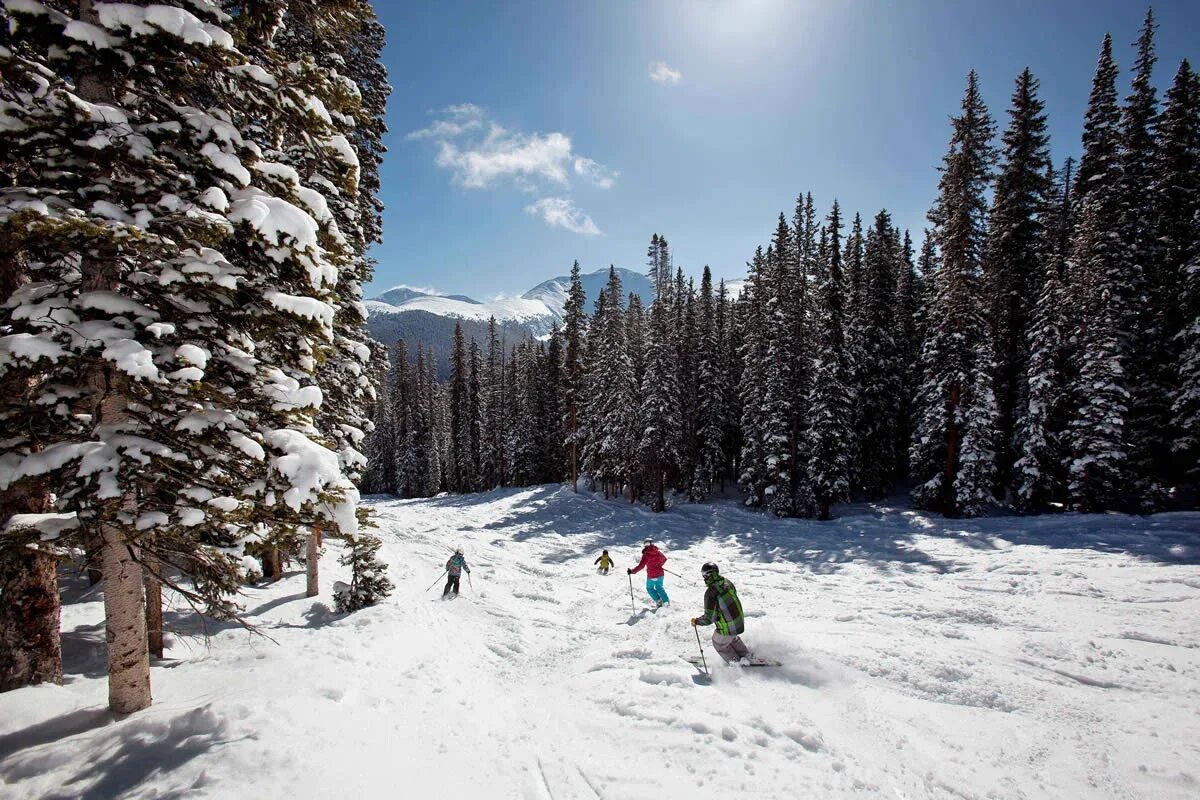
<point x="677" y="575"/>
<point x="435" y="583"/>
<point x="632" y="606"/>
<point x="469" y="581"/>
<point x="702" y="659"/>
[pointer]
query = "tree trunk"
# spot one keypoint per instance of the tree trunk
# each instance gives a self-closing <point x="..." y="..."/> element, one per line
<point x="30" y="646"/>
<point x="154" y="611"/>
<point x="276" y="560"/>
<point x="125" y="625"/>
<point x="823" y="511"/>
<point x="313" y="558"/>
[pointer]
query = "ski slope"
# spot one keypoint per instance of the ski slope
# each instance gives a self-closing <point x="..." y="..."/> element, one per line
<point x="1004" y="658"/>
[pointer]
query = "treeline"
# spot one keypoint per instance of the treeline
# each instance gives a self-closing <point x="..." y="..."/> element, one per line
<point x="187" y="195"/>
<point x="1039" y="350"/>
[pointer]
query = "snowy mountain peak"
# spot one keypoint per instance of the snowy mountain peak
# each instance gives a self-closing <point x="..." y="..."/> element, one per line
<point x="554" y="291"/>
<point x="538" y="310"/>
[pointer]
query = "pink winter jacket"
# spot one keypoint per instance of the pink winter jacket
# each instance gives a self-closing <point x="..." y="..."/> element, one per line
<point x="652" y="560"/>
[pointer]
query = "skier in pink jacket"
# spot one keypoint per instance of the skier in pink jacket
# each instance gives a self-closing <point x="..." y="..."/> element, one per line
<point x="653" y="560"/>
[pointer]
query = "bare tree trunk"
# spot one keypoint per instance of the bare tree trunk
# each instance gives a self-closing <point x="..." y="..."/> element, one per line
<point x="154" y="610"/>
<point x="30" y="647"/>
<point x="313" y="558"/>
<point x="92" y="554"/>
<point x="276" y="564"/>
<point x="125" y="625"/>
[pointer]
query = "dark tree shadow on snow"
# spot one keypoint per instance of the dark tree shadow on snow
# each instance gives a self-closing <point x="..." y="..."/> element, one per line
<point x="885" y="536"/>
<point x="132" y="757"/>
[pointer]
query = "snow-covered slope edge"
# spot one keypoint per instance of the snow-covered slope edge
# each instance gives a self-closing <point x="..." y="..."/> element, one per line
<point x="926" y="658"/>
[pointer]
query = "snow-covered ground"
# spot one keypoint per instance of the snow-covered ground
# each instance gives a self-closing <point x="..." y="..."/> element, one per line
<point x="1002" y="658"/>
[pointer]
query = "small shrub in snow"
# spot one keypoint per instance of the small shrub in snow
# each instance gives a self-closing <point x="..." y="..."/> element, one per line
<point x="369" y="582"/>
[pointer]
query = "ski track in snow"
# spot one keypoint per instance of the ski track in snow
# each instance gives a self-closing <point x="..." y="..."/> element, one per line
<point x="923" y="658"/>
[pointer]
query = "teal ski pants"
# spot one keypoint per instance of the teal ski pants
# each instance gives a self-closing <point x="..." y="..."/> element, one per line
<point x="654" y="588"/>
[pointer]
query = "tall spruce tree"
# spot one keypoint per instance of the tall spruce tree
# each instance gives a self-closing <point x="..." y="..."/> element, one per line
<point x="879" y="380"/>
<point x="712" y="393"/>
<point x="1175" y="283"/>
<point x="829" y="430"/>
<point x="1150" y="372"/>
<point x="658" y="420"/>
<point x="1100" y="471"/>
<point x="752" y="354"/>
<point x="1013" y="254"/>
<point x="574" y="330"/>
<point x="955" y="395"/>
<point x="1039" y="473"/>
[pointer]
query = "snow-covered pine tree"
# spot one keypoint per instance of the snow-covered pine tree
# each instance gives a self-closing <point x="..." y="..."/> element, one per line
<point x="1186" y="407"/>
<point x="427" y="460"/>
<point x="492" y="465"/>
<point x="1150" y="371"/>
<point x="573" y="377"/>
<point x="728" y="347"/>
<point x="606" y="453"/>
<point x="852" y="261"/>
<point x="1176" y="212"/>
<point x="192" y="278"/>
<point x="1100" y="471"/>
<point x="907" y="334"/>
<point x="974" y="487"/>
<point x="800" y="314"/>
<point x="878" y="372"/>
<point x="660" y="269"/>
<point x="550" y="426"/>
<point x="334" y="51"/>
<point x="683" y="335"/>
<point x="950" y="391"/>
<point x="369" y="582"/>
<point x="712" y="392"/>
<point x="752" y="476"/>
<point x="1039" y="473"/>
<point x="404" y="416"/>
<point x="474" y="414"/>
<point x="380" y="477"/>
<point x="523" y="431"/>
<point x="658" y="418"/>
<point x="829" y="432"/>
<point x="458" y="467"/>
<point x="1013" y="254"/>
<point x="778" y="401"/>
<point x="636" y="348"/>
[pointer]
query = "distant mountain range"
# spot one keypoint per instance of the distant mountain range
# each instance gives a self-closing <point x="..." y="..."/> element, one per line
<point x="418" y="316"/>
<point x="426" y="318"/>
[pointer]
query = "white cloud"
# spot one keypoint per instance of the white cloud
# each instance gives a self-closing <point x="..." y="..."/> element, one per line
<point x="661" y="72"/>
<point x="502" y="154"/>
<point x="479" y="161"/>
<point x="598" y="174"/>
<point x="455" y="121"/>
<point x="560" y="212"/>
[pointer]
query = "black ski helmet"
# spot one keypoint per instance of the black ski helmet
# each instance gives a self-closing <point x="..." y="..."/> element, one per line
<point x="709" y="569"/>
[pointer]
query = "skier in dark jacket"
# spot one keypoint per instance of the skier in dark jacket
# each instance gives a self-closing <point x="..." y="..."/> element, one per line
<point x="723" y="609"/>
<point x="454" y="568"/>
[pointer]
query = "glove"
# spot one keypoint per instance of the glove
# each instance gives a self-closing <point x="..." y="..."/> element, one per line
<point x="694" y="621"/>
<point x="628" y="571"/>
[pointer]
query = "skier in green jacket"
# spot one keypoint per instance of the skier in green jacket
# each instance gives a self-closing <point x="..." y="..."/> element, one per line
<point x="723" y="609"/>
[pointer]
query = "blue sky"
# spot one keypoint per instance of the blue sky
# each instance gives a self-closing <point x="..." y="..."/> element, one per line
<point x="525" y="134"/>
